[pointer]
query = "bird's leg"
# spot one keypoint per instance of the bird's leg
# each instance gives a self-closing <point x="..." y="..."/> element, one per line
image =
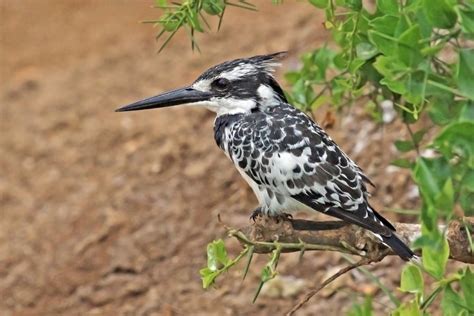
<point x="256" y="212"/>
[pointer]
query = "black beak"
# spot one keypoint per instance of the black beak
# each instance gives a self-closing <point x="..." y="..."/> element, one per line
<point x="170" y="98"/>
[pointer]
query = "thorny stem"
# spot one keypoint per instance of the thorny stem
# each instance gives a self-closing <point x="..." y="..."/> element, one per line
<point x="301" y="246"/>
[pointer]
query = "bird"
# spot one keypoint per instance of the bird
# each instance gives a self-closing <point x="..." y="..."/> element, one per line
<point x="287" y="159"/>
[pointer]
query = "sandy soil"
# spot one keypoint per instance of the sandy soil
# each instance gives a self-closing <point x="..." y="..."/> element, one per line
<point x="105" y="213"/>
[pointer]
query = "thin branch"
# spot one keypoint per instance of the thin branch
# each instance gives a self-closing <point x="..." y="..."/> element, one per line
<point x="412" y="136"/>
<point x="313" y="292"/>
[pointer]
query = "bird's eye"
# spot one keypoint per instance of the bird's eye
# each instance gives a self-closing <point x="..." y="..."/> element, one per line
<point x="221" y="83"/>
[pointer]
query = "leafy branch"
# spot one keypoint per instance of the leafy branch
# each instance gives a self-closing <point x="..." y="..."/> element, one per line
<point x="191" y="15"/>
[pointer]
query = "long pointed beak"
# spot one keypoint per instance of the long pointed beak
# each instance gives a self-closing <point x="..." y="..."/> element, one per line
<point x="170" y="98"/>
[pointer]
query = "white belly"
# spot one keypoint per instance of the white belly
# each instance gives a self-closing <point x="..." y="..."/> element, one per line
<point x="273" y="203"/>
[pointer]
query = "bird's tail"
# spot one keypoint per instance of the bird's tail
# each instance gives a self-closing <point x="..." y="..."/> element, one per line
<point x="399" y="247"/>
<point x="369" y="219"/>
<point x="392" y="241"/>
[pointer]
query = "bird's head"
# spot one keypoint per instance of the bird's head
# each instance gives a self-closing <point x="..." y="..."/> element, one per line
<point x="238" y="86"/>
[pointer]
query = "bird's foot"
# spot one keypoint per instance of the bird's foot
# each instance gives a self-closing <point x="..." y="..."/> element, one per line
<point x="256" y="213"/>
<point x="277" y="218"/>
<point x="283" y="217"/>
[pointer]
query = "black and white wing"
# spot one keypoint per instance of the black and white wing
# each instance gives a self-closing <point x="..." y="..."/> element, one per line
<point x="287" y="152"/>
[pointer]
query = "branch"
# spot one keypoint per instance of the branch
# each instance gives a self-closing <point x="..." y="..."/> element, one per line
<point x="302" y="235"/>
<point x="342" y="271"/>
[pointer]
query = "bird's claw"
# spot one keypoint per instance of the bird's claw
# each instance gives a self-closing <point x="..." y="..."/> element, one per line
<point x="256" y="213"/>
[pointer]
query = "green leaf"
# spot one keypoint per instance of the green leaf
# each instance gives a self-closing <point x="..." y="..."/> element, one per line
<point x="366" y="50"/>
<point x="457" y="139"/>
<point x="445" y="199"/>
<point x="467" y="20"/>
<point x="452" y="303"/>
<point x="355" y="65"/>
<point x="421" y="19"/>
<point x="322" y="59"/>
<point x="431" y="174"/>
<point x="355" y="5"/>
<point x="216" y="255"/>
<point x="466" y="112"/>
<point x="404" y="145"/>
<point x="402" y="163"/>
<point x="443" y="110"/>
<point x="415" y="85"/>
<point x="213" y="7"/>
<point x="466" y="72"/>
<point x="364" y="309"/>
<point x="408" y="309"/>
<point x="467" y="286"/>
<point x="435" y="257"/>
<point x="440" y="13"/>
<point x="468" y="180"/>
<point x="292" y="77"/>
<point x="388" y="6"/>
<point x="466" y="199"/>
<point x="409" y="47"/>
<point x="418" y="136"/>
<point x="412" y="280"/>
<point x="161" y="3"/>
<point x="322" y="4"/>
<point x="429" y="219"/>
<point x="208" y="277"/>
<point x="218" y="262"/>
<point x="393" y="71"/>
<point x="381" y="34"/>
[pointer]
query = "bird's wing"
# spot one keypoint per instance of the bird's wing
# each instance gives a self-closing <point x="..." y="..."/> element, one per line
<point x="288" y="153"/>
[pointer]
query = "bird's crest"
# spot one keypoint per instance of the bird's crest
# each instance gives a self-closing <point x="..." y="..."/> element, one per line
<point x="235" y="69"/>
<point x="269" y="62"/>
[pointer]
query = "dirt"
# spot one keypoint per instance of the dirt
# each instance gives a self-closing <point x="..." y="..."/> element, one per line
<point x="105" y="213"/>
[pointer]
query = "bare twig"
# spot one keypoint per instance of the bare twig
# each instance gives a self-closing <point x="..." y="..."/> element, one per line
<point x="313" y="292"/>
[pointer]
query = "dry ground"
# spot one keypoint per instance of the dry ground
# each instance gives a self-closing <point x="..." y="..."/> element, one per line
<point x="105" y="213"/>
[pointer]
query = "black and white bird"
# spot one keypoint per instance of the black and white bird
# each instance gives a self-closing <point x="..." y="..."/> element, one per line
<point x="288" y="160"/>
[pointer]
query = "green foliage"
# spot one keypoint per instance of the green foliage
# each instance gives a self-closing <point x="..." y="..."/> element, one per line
<point x="191" y="15"/>
<point x="268" y="271"/>
<point x="412" y="280"/>
<point x="467" y="286"/>
<point x="416" y="55"/>
<point x="411" y="308"/>
<point x="364" y="309"/>
<point x="218" y="262"/>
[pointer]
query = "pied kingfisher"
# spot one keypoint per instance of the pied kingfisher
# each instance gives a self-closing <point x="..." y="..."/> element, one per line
<point x="288" y="160"/>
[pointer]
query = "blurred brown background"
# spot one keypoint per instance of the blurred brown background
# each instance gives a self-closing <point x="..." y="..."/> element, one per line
<point x="105" y="213"/>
